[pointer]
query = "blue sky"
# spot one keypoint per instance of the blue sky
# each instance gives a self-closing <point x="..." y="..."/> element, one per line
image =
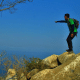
<point x="32" y="28"/>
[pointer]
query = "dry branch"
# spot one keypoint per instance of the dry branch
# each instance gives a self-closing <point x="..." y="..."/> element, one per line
<point x="8" y="4"/>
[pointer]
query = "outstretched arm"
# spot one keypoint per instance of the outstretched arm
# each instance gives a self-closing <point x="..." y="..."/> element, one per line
<point x="62" y="21"/>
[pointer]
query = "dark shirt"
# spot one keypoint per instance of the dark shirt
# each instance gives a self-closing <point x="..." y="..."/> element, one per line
<point x="71" y="27"/>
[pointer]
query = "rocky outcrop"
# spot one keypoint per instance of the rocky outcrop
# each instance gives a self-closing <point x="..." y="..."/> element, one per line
<point x="69" y="70"/>
<point x="62" y="67"/>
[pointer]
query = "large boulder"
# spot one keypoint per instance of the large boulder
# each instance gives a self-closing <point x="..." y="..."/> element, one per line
<point x="11" y="75"/>
<point x="69" y="70"/>
<point x="51" y="61"/>
<point x="66" y="56"/>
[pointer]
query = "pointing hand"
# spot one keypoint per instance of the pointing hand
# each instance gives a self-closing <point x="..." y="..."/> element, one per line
<point x="55" y="21"/>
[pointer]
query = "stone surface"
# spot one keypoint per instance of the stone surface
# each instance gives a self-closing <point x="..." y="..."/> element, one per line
<point x="33" y="72"/>
<point x="69" y="70"/>
<point x="23" y="77"/>
<point x="11" y="75"/>
<point x="65" y="56"/>
<point x="51" y="61"/>
<point x="77" y="55"/>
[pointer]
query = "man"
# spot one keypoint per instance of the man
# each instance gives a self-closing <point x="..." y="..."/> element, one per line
<point x="72" y="29"/>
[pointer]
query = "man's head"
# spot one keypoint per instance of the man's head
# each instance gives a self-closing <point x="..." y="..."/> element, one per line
<point x="66" y="16"/>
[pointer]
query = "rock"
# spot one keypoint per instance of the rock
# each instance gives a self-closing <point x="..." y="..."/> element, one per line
<point x="33" y="72"/>
<point x="70" y="70"/>
<point x="11" y="75"/>
<point x="45" y="74"/>
<point x="65" y="56"/>
<point x="51" y="61"/>
<point x="64" y="67"/>
<point x="23" y="77"/>
<point x="77" y="55"/>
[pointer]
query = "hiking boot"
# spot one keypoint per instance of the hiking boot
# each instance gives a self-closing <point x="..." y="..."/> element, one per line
<point x="69" y="50"/>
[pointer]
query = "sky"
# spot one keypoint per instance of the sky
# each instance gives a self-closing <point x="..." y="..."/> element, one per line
<point x="31" y="29"/>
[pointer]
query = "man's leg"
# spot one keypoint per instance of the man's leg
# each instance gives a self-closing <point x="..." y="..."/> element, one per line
<point x="69" y="40"/>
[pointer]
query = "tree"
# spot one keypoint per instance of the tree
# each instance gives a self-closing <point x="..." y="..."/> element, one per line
<point x="10" y="4"/>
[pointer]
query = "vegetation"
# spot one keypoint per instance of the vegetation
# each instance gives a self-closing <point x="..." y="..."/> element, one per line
<point x="22" y="65"/>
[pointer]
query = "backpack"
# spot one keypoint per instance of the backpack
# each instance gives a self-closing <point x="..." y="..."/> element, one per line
<point x="76" y="22"/>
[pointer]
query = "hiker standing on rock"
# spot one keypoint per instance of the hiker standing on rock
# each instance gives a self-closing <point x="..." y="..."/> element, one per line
<point x="72" y="28"/>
